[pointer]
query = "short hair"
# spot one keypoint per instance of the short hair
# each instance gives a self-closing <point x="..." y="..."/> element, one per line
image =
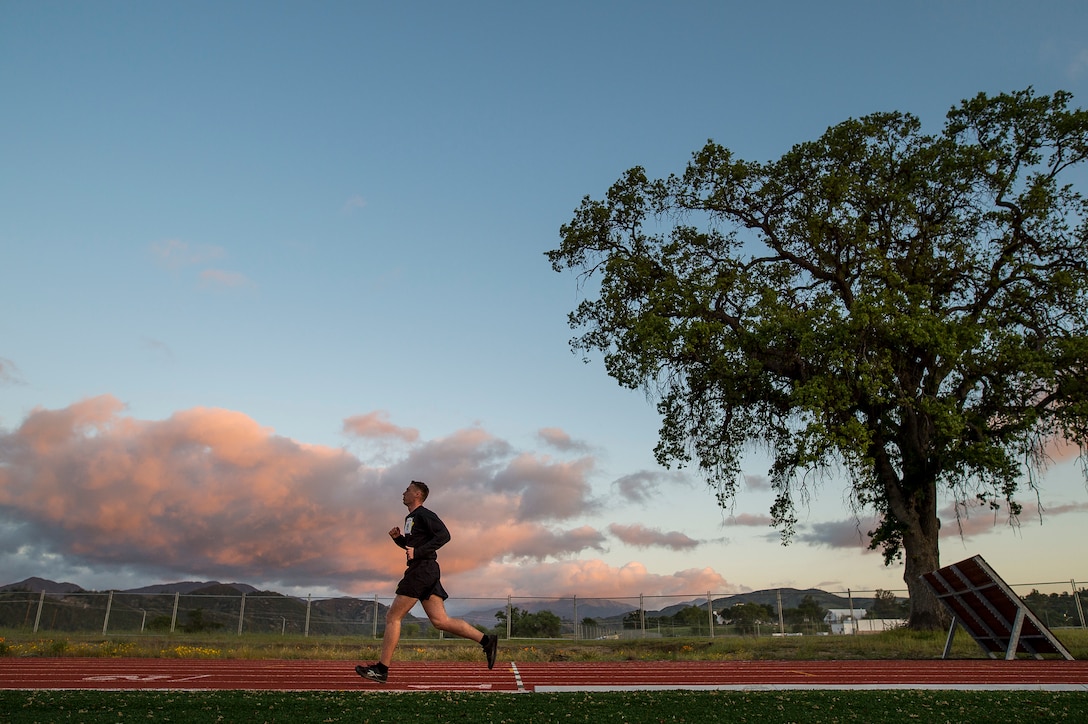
<point x="422" y="488"/>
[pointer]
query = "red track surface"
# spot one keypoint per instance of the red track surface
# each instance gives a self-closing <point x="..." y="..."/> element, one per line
<point x="196" y="674"/>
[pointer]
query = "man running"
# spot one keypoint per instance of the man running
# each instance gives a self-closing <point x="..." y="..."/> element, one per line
<point x="424" y="533"/>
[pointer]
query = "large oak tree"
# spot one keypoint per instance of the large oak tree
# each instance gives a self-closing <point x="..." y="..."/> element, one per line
<point x="908" y="310"/>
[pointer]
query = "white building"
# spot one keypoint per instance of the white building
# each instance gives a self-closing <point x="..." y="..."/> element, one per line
<point x="847" y="621"/>
<point x="843" y="620"/>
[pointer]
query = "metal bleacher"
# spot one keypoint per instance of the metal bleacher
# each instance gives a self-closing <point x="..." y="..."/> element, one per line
<point x="991" y="612"/>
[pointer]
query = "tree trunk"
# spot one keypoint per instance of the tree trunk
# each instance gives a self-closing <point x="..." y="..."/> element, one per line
<point x="921" y="552"/>
<point x="913" y="503"/>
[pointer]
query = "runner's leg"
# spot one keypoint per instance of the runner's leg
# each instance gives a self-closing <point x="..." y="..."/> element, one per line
<point x="436" y="612"/>
<point x="398" y="610"/>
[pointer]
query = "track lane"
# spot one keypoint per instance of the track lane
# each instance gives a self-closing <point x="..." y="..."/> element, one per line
<point x="309" y="675"/>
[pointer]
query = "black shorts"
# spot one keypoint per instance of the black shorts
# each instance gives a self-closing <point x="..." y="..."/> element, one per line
<point x="421" y="581"/>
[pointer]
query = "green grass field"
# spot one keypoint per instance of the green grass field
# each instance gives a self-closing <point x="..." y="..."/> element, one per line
<point x="823" y="707"/>
<point x="900" y="644"/>
<point x="764" y="707"/>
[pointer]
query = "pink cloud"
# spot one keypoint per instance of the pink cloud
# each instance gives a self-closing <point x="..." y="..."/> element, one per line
<point x="1066" y="508"/>
<point x="972" y="520"/>
<point x="638" y="487"/>
<point x="560" y="440"/>
<point x="45" y="429"/>
<point x="849" y="533"/>
<point x="975" y="519"/>
<point x="205" y="487"/>
<point x="547" y="490"/>
<point x="376" y="425"/>
<point x="540" y="543"/>
<point x="212" y="492"/>
<point x="643" y="537"/>
<point x="978" y="519"/>
<point x="592" y="578"/>
<point x="757" y="482"/>
<point x="752" y="520"/>
<point x="1058" y="449"/>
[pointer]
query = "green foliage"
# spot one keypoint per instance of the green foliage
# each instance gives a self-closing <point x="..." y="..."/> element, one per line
<point x="1058" y="609"/>
<point x="196" y="622"/>
<point x="764" y="707"/>
<point x="634" y="619"/>
<point x="807" y="617"/>
<point x="689" y="620"/>
<point x="909" y="308"/>
<point x="158" y="623"/>
<point x="542" y="624"/>
<point x="747" y="617"/>
<point x="886" y="605"/>
<point x="694" y="616"/>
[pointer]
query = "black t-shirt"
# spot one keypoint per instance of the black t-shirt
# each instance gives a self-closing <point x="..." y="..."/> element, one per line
<point x="423" y="532"/>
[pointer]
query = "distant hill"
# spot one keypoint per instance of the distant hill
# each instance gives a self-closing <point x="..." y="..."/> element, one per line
<point x="595" y="608"/>
<point x="187" y="587"/>
<point x="605" y="610"/>
<point x="347" y="614"/>
<point x="68" y="608"/>
<point x="791" y="598"/>
<point x="37" y="585"/>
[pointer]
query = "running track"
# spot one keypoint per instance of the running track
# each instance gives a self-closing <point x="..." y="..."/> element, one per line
<point x="508" y="676"/>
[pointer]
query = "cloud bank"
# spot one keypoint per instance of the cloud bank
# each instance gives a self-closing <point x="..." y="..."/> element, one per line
<point x="210" y="493"/>
<point x="967" y="522"/>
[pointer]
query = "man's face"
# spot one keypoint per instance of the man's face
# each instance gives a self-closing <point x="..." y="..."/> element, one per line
<point x="411" y="495"/>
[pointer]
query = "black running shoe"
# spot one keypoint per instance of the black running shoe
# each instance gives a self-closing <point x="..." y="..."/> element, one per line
<point x="491" y="649"/>
<point x="373" y="673"/>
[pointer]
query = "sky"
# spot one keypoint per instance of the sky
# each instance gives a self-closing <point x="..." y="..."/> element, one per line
<point x="264" y="263"/>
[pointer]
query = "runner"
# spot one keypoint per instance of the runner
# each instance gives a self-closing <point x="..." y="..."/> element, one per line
<point x="424" y="533"/>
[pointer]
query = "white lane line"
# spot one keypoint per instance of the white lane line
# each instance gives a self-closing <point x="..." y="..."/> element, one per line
<point x="808" y="687"/>
<point x="517" y="676"/>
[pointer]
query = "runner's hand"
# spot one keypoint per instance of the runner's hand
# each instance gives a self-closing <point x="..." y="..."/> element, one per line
<point x="394" y="532"/>
<point x="410" y="552"/>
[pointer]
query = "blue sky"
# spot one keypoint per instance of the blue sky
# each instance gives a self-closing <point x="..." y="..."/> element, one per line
<point x="263" y="263"/>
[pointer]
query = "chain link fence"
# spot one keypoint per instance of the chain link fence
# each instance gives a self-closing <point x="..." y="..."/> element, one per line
<point x="224" y="609"/>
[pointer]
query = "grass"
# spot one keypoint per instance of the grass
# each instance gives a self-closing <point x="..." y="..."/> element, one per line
<point x="764" y="707"/>
<point x="824" y="707"/>
<point x="899" y="644"/>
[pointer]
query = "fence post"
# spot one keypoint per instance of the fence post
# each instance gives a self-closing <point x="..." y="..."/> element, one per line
<point x="1076" y="598"/>
<point x="374" y="623"/>
<point x="38" y="617"/>
<point x="853" y="621"/>
<point x="509" y="622"/>
<point x="781" y="616"/>
<point x="106" y="620"/>
<point x="241" y="613"/>
<point x="642" y="614"/>
<point x="306" y="629"/>
<point x="174" y="616"/>
<point x="577" y="626"/>
<point x="710" y="613"/>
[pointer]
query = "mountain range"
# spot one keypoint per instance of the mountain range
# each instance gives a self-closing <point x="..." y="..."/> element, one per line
<point x="595" y="608"/>
<point x="37" y="585"/>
